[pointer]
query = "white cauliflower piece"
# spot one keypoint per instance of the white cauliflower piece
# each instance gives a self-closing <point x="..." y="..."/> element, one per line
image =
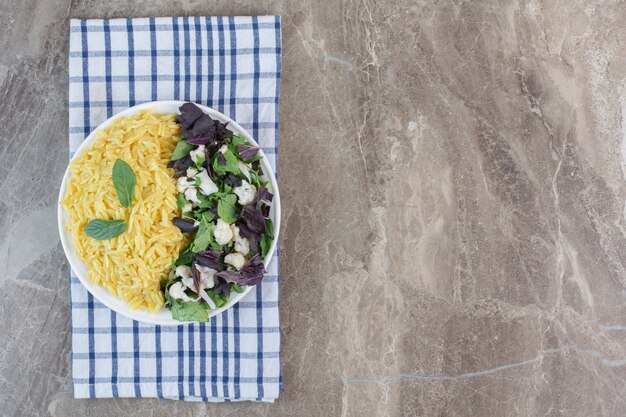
<point x="236" y="260"/>
<point x="245" y="192"/>
<point x="222" y="232"/>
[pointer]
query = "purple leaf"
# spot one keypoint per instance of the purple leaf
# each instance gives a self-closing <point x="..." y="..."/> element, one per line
<point x="247" y="151"/>
<point x="232" y="180"/>
<point x="230" y="276"/>
<point x="210" y="258"/>
<point x="189" y="113"/>
<point x="263" y="195"/>
<point x="222" y="288"/>
<point x="184" y="225"/>
<point x="253" y="238"/>
<point x="182" y="163"/>
<point x="203" y="126"/>
<point x="221" y="131"/>
<point x="253" y="216"/>
<point x="205" y="139"/>
<point x="179" y="173"/>
<point x="251" y="273"/>
<point x="197" y="277"/>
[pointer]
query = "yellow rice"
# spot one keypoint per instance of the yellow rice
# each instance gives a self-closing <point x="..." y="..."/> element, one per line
<point x="132" y="264"/>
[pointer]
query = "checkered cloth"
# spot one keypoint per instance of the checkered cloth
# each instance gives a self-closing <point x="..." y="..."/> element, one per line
<point x="233" y="65"/>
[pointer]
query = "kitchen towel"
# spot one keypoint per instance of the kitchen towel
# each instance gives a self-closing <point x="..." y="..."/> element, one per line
<point x="233" y="65"/>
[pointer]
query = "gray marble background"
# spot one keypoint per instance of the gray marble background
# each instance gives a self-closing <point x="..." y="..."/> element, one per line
<point x="454" y="237"/>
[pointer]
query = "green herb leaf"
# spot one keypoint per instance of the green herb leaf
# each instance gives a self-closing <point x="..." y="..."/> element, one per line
<point x="104" y="229"/>
<point x="204" y="236"/>
<point x="229" y="164"/>
<point x="226" y="208"/>
<point x="205" y="201"/>
<point x="185" y="258"/>
<point x="254" y="179"/>
<point x="124" y="181"/>
<point x="236" y="141"/>
<point x="269" y="226"/>
<point x="181" y="201"/>
<point x="236" y="288"/>
<point x="182" y="149"/>
<point x="199" y="163"/>
<point x="189" y="311"/>
<point x="266" y="243"/>
<point x="208" y="216"/>
<point x="217" y="299"/>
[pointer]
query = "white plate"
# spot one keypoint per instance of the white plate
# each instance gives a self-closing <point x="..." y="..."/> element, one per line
<point x="162" y="317"/>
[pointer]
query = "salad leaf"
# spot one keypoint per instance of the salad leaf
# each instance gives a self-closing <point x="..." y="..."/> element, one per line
<point x="182" y="150"/>
<point x="253" y="238"/>
<point x="226" y="208"/>
<point x="210" y="258"/>
<point x="254" y="179"/>
<point x="236" y="288"/>
<point x="189" y="113"/>
<point x="204" y="236"/>
<point x="182" y="163"/>
<point x="232" y="180"/>
<point x="104" y="229"/>
<point x="247" y="152"/>
<point x="251" y="274"/>
<point x="189" y="311"/>
<point x="217" y="299"/>
<point x="205" y="201"/>
<point x="184" y="258"/>
<point x="203" y="125"/>
<point x="253" y="216"/>
<point x="181" y="201"/>
<point x="266" y="243"/>
<point x="221" y="131"/>
<point x="124" y="181"/>
<point x="185" y="226"/>
<point x="205" y="139"/>
<point x="222" y="289"/>
<point x="226" y="162"/>
<point x="263" y="194"/>
<point x="269" y="226"/>
<point x="237" y="141"/>
<point x="208" y="216"/>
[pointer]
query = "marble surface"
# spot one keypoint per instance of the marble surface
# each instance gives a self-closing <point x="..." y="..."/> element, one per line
<point x="454" y="237"/>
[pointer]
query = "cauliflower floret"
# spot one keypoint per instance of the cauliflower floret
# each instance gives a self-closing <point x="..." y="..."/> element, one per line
<point x="197" y="155"/>
<point x="186" y="208"/>
<point x="183" y="184"/>
<point x="191" y="194"/>
<point x="245" y="192"/>
<point x="236" y="260"/>
<point x="183" y="271"/>
<point x="207" y="276"/>
<point x="242" y="245"/>
<point x="177" y="290"/>
<point x="222" y="232"/>
<point x="207" y="186"/>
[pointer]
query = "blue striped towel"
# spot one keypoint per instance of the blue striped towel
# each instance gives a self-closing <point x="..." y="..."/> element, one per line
<point x="233" y="65"/>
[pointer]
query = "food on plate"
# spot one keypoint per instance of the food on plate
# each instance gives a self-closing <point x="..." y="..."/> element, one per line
<point x="170" y="210"/>
<point x="224" y="214"/>
<point x="121" y="204"/>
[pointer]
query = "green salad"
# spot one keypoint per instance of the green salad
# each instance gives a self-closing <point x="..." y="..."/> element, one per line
<point x="225" y="208"/>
